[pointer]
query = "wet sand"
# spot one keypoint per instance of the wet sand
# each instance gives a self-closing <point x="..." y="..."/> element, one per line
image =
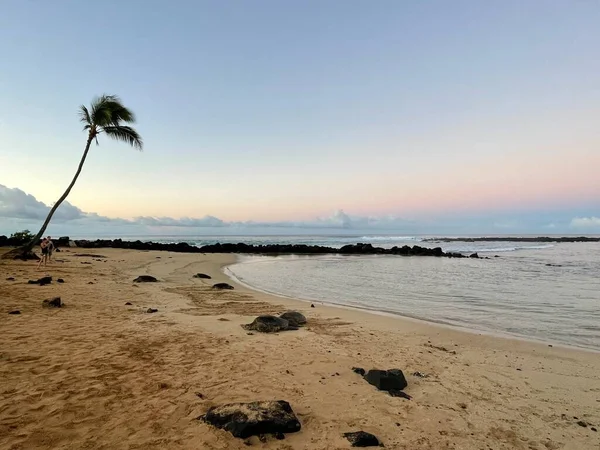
<point x="98" y="374"/>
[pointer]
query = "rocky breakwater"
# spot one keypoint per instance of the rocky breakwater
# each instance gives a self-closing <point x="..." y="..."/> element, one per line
<point x="269" y="249"/>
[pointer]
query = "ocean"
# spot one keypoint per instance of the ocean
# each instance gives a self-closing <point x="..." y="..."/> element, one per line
<point x="541" y="291"/>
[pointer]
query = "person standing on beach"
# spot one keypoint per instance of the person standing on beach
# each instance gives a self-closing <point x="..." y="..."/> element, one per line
<point x="50" y="246"/>
<point x="44" y="248"/>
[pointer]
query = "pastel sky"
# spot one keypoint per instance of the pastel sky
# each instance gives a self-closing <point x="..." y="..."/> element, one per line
<point x="476" y="115"/>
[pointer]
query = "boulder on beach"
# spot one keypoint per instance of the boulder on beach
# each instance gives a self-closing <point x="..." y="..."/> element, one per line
<point x="41" y="281"/>
<point x="386" y="380"/>
<point x="269" y="324"/>
<point x="362" y="439"/>
<point x="294" y="318"/>
<point x="243" y="420"/>
<point x="222" y="286"/>
<point x="145" y="279"/>
<point x="52" y="303"/>
<point x="202" y="276"/>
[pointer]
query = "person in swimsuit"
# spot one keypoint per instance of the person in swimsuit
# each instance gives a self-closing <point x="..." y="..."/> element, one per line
<point x="44" y="248"/>
<point x="50" y="247"/>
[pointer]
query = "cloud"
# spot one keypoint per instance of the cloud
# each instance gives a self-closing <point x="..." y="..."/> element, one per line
<point x="187" y="222"/>
<point x="19" y="210"/>
<point x="16" y="204"/>
<point x="586" y="222"/>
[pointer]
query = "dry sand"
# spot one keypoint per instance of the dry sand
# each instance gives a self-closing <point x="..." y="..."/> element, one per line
<point x="98" y="374"/>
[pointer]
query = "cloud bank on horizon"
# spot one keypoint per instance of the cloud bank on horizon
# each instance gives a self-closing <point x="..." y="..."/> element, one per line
<point x="20" y="210"/>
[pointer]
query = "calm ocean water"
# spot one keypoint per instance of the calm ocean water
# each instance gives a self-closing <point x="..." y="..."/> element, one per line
<point x="548" y="292"/>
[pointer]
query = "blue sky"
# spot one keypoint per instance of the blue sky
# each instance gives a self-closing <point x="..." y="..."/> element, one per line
<point x="473" y="115"/>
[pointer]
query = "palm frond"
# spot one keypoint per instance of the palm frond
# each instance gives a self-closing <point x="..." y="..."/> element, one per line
<point x="84" y="115"/>
<point x="124" y="134"/>
<point x="119" y="113"/>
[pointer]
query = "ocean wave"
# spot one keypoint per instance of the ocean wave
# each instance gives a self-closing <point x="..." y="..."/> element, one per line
<point x="392" y="238"/>
<point x="502" y="249"/>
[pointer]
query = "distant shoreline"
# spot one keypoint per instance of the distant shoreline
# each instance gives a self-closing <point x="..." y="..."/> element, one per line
<point x="515" y="239"/>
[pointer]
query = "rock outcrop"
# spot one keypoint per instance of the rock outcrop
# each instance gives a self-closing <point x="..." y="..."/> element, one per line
<point x="243" y="420"/>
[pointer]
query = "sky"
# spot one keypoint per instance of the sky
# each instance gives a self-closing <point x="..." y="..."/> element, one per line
<point x="434" y="116"/>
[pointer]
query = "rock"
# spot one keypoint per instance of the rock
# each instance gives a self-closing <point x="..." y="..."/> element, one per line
<point x="16" y="311"/>
<point x="243" y="420"/>
<point x="222" y="286"/>
<point x="203" y="276"/>
<point x="128" y="304"/>
<point x="594" y="429"/>
<point x="359" y="370"/>
<point x="151" y="310"/>
<point x="401" y="394"/>
<point x="268" y="324"/>
<point x="60" y="280"/>
<point x="312" y="305"/>
<point x="145" y="279"/>
<point x="52" y="303"/>
<point x="474" y="255"/>
<point x="386" y="380"/>
<point x="581" y="423"/>
<point x="10" y="279"/>
<point x="294" y="318"/>
<point x="41" y="281"/>
<point x="362" y="439"/>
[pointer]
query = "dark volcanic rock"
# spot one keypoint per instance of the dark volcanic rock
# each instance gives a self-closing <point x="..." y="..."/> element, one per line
<point x="145" y="279"/>
<point x="42" y="281"/>
<point x="268" y="324"/>
<point x="222" y="286"/>
<point x="474" y="255"/>
<point x="52" y="303"/>
<point x="16" y="311"/>
<point x="359" y="370"/>
<point x="243" y="420"/>
<point x="203" y="276"/>
<point x="151" y="310"/>
<point x="386" y="380"/>
<point x="60" y="280"/>
<point x="294" y="318"/>
<point x="10" y="279"/>
<point x="128" y="304"/>
<point x="266" y="249"/>
<point x="362" y="439"/>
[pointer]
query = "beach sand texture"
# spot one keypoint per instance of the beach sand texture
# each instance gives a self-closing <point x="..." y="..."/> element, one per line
<point x="98" y="374"/>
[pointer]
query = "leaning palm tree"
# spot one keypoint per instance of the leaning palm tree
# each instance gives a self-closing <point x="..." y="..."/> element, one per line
<point x="106" y="115"/>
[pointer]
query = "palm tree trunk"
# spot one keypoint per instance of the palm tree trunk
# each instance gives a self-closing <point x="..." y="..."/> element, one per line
<point x="27" y="247"/>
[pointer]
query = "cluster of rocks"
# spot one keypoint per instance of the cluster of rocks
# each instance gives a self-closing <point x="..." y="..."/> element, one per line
<point x="289" y="320"/>
<point x="268" y="249"/>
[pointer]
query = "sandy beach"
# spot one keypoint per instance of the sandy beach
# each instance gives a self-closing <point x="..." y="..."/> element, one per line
<point x="100" y="374"/>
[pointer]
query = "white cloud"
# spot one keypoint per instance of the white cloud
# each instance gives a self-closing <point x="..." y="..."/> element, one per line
<point x="16" y="204"/>
<point x="18" y="207"/>
<point x="586" y="222"/>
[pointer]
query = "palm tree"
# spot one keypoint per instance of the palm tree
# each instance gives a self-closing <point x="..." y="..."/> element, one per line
<point x="106" y="115"/>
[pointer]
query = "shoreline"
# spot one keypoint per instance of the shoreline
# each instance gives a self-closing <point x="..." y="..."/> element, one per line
<point x="115" y="376"/>
<point x="402" y="317"/>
